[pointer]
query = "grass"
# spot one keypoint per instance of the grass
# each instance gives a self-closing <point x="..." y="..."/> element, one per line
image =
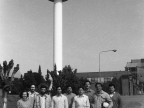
<point x="128" y="101"/>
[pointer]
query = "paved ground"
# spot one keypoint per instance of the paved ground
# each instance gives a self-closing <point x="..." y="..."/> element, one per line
<point x="128" y="101"/>
<point x="133" y="101"/>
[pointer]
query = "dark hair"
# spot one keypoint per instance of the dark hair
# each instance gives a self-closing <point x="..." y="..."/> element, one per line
<point x="68" y="86"/>
<point x="112" y="85"/>
<point x="80" y="87"/>
<point x="43" y="85"/>
<point x="98" y="83"/>
<point x="21" y="93"/>
<point x="58" y="87"/>
<point x="87" y="81"/>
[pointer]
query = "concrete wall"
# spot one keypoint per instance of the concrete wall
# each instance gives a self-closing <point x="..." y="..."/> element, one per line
<point x="125" y="86"/>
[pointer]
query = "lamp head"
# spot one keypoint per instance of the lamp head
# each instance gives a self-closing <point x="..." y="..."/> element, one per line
<point x="114" y="50"/>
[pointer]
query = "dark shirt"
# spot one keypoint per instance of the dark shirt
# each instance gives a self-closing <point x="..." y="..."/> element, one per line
<point x="90" y="94"/>
<point x="70" y="98"/>
<point x="100" y="98"/>
<point x="116" y="98"/>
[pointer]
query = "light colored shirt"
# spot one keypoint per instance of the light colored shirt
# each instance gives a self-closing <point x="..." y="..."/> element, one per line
<point x="24" y="104"/>
<point x="59" y="101"/>
<point x="70" y="98"/>
<point x="100" y="98"/>
<point x="42" y="102"/>
<point x="32" y="96"/>
<point x="81" y="102"/>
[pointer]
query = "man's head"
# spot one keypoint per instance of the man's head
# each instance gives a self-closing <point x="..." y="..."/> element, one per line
<point x="87" y="84"/>
<point x="59" y="90"/>
<point x="32" y="88"/>
<point x="43" y="89"/>
<point x="111" y="88"/>
<point x="98" y="87"/>
<point x="80" y="90"/>
<point x="69" y="89"/>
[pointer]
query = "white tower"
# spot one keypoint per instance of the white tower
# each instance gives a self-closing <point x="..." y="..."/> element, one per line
<point x="57" y="38"/>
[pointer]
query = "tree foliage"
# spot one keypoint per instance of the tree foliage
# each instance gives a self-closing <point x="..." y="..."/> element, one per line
<point x="66" y="77"/>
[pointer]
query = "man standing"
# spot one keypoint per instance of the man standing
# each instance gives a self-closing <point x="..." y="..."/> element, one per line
<point x="59" y="100"/>
<point x="81" y="100"/>
<point x="89" y="92"/>
<point x="101" y="97"/>
<point x="115" y="96"/>
<point x="70" y="96"/>
<point x="32" y="94"/>
<point x="43" y="100"/>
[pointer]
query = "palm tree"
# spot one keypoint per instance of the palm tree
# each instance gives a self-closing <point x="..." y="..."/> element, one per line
<point x="6" y="79"/>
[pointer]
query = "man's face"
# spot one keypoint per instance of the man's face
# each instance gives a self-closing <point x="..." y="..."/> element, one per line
<point x="87" y="85"/>
<point x="32" y="88"/>
<point x="81" y="91"/>
<point x="69" y="90"/>
<point x="43" y="90"/>
<point x="59" y="90"/>
<point x="111" y="89"/>
<point x="98" y="87"/>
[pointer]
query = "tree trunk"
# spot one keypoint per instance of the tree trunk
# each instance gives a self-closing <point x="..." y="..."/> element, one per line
<point x="4" y="104"/>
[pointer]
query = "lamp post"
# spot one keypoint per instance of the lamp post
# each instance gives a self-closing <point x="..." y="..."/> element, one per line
<point x="99" y="59"/>
<point x="57" y="38"/>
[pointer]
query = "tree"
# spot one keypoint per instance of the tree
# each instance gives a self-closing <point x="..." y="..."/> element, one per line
<point x="39" y="70"/>
<point x="117" y="84"/>
<point x="29" y="79"/>
<point x="66" y="77"/>
<point x="6" y="79"/>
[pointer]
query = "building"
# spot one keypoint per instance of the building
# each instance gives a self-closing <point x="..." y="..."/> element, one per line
<point x="105" y="77"/>
<point x="102" y="76"/>
<point x="132" y="79"/>
<point x="136" y="69"/>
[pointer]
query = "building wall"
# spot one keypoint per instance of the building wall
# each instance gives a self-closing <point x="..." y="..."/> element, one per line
<point x="125" y="87"/>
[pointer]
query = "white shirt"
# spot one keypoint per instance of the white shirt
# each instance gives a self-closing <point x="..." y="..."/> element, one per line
<point x="42" y="102"/>
<point x="81" y="102"/>
<point x="59" y="101"/>
<point x="32" y="94"/>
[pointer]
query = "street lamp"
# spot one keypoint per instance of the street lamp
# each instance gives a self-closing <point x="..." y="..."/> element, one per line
<point x="99" y="59"/>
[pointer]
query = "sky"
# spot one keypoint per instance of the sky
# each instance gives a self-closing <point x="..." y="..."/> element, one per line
<point x="89" y="27"/>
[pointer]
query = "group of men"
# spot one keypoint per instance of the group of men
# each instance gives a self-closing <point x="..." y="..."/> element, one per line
<point x="86" y="98"/>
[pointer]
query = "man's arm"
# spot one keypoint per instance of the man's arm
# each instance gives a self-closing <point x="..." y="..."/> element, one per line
<point x="87" y="103"/>
<point x="73" y="104"/>
<point x="119" y="101"/>
<point x="66" y="102"/>
<point x="52" y="103"/>
<point x="109" y="100"/>
<point x="18" y="104"/>
<point x="51" y="82"/>
<point x="36" y="101"/>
